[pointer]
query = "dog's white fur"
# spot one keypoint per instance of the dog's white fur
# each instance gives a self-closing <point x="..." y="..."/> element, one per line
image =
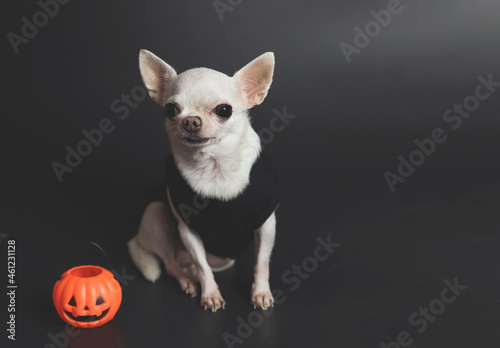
<point x="219" y="167"/>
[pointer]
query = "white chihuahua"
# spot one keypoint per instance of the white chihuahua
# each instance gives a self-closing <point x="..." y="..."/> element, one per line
<point x="221" y="192"/>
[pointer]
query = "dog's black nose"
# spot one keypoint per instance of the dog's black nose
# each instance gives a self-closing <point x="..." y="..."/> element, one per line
<point x="192" y="124"/>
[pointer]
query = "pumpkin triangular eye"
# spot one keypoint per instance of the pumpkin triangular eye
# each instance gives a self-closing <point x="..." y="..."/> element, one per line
<point x="72" y="302"/>
<point x="99" y="300"/>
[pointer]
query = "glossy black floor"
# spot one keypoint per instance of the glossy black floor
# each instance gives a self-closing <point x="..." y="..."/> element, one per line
<point x="417" y="267"/>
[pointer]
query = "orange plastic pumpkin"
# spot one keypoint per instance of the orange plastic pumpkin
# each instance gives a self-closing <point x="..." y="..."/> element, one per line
<point x="87" y="296"/>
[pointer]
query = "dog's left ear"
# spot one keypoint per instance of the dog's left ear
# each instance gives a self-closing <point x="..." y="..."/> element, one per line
<point x="255" y="78"/>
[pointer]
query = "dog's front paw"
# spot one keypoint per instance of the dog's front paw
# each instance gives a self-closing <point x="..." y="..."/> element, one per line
<point x="213" y="301"/>
<point x="262" y="297"/>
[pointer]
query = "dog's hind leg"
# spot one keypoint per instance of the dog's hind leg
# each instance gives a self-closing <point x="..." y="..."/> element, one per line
<point x="158" y="238"/>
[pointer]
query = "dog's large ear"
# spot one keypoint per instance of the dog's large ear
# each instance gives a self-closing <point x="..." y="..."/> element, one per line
<point x="255" y="78"/>
<point x="157" y="76"/>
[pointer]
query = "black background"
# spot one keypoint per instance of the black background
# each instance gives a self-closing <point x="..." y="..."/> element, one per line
<point x="352" y="122"/>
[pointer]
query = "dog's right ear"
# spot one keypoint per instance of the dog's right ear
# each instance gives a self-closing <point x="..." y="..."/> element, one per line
<point x="157" y="76"/>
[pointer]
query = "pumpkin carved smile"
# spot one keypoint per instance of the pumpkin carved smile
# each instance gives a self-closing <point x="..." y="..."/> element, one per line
<point x="88" y="318"/>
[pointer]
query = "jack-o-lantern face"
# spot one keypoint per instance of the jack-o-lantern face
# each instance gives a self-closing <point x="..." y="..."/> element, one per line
<point x="87" y="296"/>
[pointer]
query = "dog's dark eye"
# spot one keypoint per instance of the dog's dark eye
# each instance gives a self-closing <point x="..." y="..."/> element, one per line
<point x="171" y="110"/>
<point x="224" y="110"/>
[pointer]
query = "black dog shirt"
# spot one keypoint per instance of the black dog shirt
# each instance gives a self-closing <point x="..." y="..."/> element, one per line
<point x="226" y="227"/>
